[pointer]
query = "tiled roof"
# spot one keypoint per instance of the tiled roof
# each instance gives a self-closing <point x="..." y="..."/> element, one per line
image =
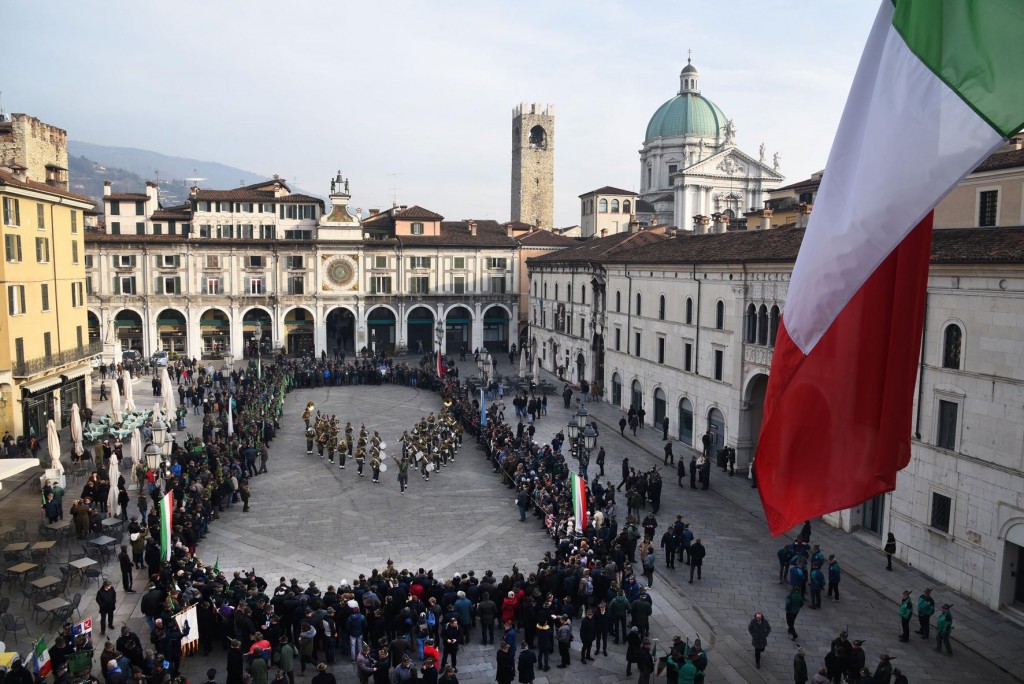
<point x="127" y="196"/>
<point x="180" y="212"/>
<point x="546" y="238"/>
<point x="298" y="198"/>
<point x="417" y="212"/>
<point x="1002" y="160"/>
<point x="600" y="249"/>
<point x="457" y="234"/>
<point x="518" y="225"/>
<point x="806" y="184"/>
<point x="741" y="246"/>
<point x="248" y="195"/>
<point x="267" y="185"/>
<point x="8" y="179"/>
<point x="978" y="245"/>
<point x="608" y="190"/>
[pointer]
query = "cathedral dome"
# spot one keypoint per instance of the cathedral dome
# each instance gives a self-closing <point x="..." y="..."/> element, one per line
<point x="688" y="113"/>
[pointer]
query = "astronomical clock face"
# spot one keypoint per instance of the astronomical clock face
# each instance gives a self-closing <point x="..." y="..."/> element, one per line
<point x="340" y="273"/>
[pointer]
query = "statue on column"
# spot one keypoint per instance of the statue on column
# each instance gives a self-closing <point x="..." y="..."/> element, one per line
<point x="762" y="153"/>
<point x="730" y="132"/>
<point x="775" y="161"/>
<point x="333" y="186"/>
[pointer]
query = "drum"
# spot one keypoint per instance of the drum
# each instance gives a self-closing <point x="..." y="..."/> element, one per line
<point x="383" y="467"/>
<point x="383" y="446"/>
<point x="430" y="467"/>
<point x="419" y="455"/>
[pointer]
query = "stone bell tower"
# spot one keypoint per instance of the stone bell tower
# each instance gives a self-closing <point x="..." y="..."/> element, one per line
<point x="533" y="164"/>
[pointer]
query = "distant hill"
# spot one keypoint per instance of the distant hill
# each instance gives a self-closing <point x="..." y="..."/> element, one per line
<point x="129" y="169"/>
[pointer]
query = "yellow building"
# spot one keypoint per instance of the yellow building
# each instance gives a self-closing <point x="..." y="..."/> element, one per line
<point x="45" y="352"/>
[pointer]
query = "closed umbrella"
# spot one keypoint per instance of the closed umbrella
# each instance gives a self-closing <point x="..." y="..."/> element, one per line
<point x="167" y="391"/>
<point x="76" y="431"/>
<point x="112" y="477"/>
<point x="115" y="400"/>
<point x="129" y="392"/>
<point x="522" y="363"/>
<point x="53" y="445"/>
<point x="536" y="368"/>
<point x="136" y="448"/>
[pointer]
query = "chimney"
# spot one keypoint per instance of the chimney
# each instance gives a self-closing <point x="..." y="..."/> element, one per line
<point x="152" y="195"/>
<point x="803" y="214"/>
<point x="19" y="172"/>
<point x="721" y="222"/>
<point x="106" y="188"/>
<point x="766" y="219"/>
<point x="604" y="232"/>
<point x="700" y="224"/>
<point x="193" y="191"/>
<point x="374" y="212"/>
<point x="472" y="227"/>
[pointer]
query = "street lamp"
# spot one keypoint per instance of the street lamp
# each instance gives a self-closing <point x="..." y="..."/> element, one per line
<point x="153" y="457"/>
<point x="439" y="331"/>
<point x="257" y="337"/>
<point x="582" y="438"/>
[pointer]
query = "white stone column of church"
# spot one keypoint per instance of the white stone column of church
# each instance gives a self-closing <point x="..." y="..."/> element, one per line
<point x="403" y="328"/>
<point x="235" y="332"/>
<point x="477" y="335"/>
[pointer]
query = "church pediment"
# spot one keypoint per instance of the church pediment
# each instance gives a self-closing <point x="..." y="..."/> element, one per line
<point x="733" y="163"/>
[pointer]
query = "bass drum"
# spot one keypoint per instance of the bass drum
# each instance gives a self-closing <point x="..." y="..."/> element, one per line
<point x="383" y="467"/>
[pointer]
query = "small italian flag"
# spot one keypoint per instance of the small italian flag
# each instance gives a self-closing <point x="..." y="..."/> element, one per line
<point x="938" y="90"/>
<point x="166" y="518"/>
<point x="41" y="658"/>
<point x="579" y="501"/>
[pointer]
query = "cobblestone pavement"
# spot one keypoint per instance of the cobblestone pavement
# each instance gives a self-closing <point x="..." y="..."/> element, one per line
<point x="313" y="521"/>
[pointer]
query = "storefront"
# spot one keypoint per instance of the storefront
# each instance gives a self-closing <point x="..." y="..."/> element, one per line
<point x="50" y="398"/>
<point x="172" y="332"/>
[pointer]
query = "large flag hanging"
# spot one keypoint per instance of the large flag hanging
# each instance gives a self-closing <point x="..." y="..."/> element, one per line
<point x="440" y="365"/>
<point x="579" y="501"/>
<point x="166" y="518"/>
<point x="936" y="91"/>
<point x="41" y="659"/>
<point x="483" y="407"/>
<point x="231" y="415"/>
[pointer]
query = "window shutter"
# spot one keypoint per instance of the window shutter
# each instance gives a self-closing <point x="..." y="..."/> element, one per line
<point x="177" y="284"/>
<point x="117" y="285"/>
<point x="10" y="300"/>
<point x="159" y="285"/>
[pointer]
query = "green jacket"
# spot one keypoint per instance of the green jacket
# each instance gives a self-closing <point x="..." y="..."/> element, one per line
<point x="794" y="602"/>
<point x="944" y="625"/>
<point x="925" y="606"/>
<point x="286" y="657"/>
<point x="258" y="670"/>
<point x="906" y="609"/>
<point x="619" y="607"/>
<point x="688" y="673"/>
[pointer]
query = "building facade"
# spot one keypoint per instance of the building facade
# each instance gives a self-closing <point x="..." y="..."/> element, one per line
<point x="533" y="164"/>
<point x="606" y="211"/>
<point x="45" y="352"/>
<point x="261" y="266"/>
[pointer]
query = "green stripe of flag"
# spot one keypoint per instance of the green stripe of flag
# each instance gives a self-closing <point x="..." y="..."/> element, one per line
<point x="976" y="48"/>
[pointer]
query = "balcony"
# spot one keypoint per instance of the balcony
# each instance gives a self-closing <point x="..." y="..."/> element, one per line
<point x="25" y="369"/>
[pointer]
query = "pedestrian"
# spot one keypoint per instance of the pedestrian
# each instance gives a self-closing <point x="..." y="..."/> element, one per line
<point x="506" y="665"/>
<point x="668" y="542"/>
<point x="925" y="610"/>
<point x="634" y="642"/>
<point x="817" y="583"/>
<point x="794" y="602"/>
<point x="452" y="635"/>
<point x="695" y="556"/>
<point x="588" y="633"/>
<point x="622" y="426"/>
<point x="693" y="471"/>
<point x="527" y="660"/>
<point x="800" y="667"/>
<point x="899" y="677"/>
<point x="633" y="423"/>
<point x="883" y="672"/>
<point x="664" y="428"/>
<point x="563" y="635"/>
<point x="805" y="532"/>
<point x="106" y="604"/>
<point x="625" y="473"/>
<point x="645" y="662"/>
<point x="680" y="471"/>
<point x="943" y="626"/>
<point x="834" y="575"/>
<point x="759" y="629"/>
<point x="670" y="458"/>
<point x="906" y="611"/>
<point x="600" y="461"/>
<point x="890" y="549"/>
<point x="126" y="565"/>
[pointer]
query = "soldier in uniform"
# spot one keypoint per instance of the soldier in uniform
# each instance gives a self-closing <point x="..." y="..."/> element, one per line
<point x="348" y="436"/>
<point x="332" y="438"/>
<point x="310" y="438"/>
<point x="322" y="436"/>
<point x="360" y="459"/>
<point x="375" y="467"/>
<point x="403" y="473"/>
<point x="344" y="449"/>
<point x="308" y="413"/>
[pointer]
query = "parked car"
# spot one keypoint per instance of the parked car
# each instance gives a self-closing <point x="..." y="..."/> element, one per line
<point x="130" y="355"/>
<point x="159" y="359"/>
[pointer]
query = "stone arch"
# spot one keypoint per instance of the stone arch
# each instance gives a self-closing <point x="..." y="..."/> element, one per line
<point x="636" y="394"/>
<point x="93" y="325"/>
<point x="128" y="329"/>
<point x="215" y="331"/>
<point x="257" y="319"/>
<point x="684" y="421"/>
<point x="496" y="322"/>
<point x="538" y="137"/>
<point x="660" y="405"/>
<point x="716" y="423"/>
<point x="341" y="324"/>
<point x="420" y="333"/>
<point x="458" y="324"/>
<point x="381" y="328"/>
<point x="172" y="331"/>
<point x="616" y="389"/>
<point x="299" y="330"/>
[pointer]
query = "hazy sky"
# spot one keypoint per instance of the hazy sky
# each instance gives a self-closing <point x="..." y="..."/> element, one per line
<point x="418" y="96"/>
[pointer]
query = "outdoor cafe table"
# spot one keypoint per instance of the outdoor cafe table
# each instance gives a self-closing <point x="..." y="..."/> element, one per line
<point x="44" y="545"/>
<point x="111" y="522"/>
<point x="82" y="563"/>
<point x="44" y="582"/>
<point x="16" y="547"/>
<point x="52" y="605"/>
<point x="22" y="568"/>
<point x="102" y="540"/>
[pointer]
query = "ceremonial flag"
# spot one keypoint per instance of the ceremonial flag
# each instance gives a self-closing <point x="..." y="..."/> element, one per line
<point x="579" y="501"/>
<point x="483" y="407"/>
<point x="259" y="366"/>
<point x="937" y="90"/>
<point x="41" y="658"/>
<point x="440" y="365"/>
<point x="216" y="566"/>
<point x="231" y="415"/>
<point x="166" y="516"/>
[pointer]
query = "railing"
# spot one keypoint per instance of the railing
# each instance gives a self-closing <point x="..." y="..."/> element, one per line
<point x="24" y="369"/>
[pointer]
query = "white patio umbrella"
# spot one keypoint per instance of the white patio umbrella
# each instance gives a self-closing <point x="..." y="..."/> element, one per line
<point x="76" y="431"/>
<point x="53" y="445"/>
<point x="522" y="363"/>
<point x="129" y="392"/>
<point x="112" y="477"/>
<point x="536" y="368"/>
<point x="136" y="448"/>
<point x="115" y="401"/>
<point x="167" y="391"/>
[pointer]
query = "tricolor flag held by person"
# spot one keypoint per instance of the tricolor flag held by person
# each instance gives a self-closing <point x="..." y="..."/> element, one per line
<point x="41" y="659"/>
<point x="483" y="407"/>
<point x="937" y="90"/>
<point x="166" y="519"/>
<point x="441" y="369"/>
<point x="231" y="415"/>
<point x="579" y="501"/>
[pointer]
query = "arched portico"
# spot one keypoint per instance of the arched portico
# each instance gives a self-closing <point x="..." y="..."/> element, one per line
<point x="257" y="320"/>
<point x="341" y="329"/>
<point x="496" y="328"/>
<point x="172" y="331"/>
<point x="298" y="326"/>
<point x="380" y="323"/>
<point x="215" y="332"/>
<point x="751" y="416"/>
<point x="128" y="327"/>
<point x="458" y="323"/>
<point x="420" y="331"/>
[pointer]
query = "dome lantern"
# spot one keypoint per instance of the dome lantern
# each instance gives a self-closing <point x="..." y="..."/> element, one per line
<point x="688" y="78"/>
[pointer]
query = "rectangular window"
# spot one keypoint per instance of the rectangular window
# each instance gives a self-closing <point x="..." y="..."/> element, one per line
<point x="636" y="343"/>
<point x="618" y="339"/>
<point x="74" y="223"/>
<point x="224" y="232"/>
<point x="115" y="228"/>
<point x="42" y="250"/>
<point x="672" y="168"/>
<point x="294" y="263"/>
<point x="19" y="351"/>
<point x="459" y="284"/>
<point x="661" y="350"/>
<point x="44" y="292"/>
<point x="15" y="300"/>
<point x="77" y="294"/>
<point x="140" y="207"/>
<point x="946" y="438"/>
<point x="140" y="227"/>
<point x="942" y="508"/>
<point x="213" y="285"/>
<point x="41" y="216"/>
<point x="495" y="264"/>
<point x="47" y="347"/>
<point x="88" y="260"/>
<point x="290" y="234"/>
<point x="458" y="262"/>
<point x="988" y="207"/>
<point x="115" y="207"/>
<point x="245" y="231"/>
<point x="12" y="248"/>
<point x="124" y="285"/>
<point x="688" y="357"/>
<point x="212" y="261"/>
<point x="380" y="284"/>
<point x="88" y="285"/>
<point x="719" y="364"/>
<point x="419" y="262"/>
<point x="417" y="228"/>
<point x="254" y="262"/>
<point x="158" y="229"/>
<point x="74" y="251"/>
<point x="124" y="261"/>
<point x="419" y="285"/>
<point x="296" y="285"/>
<point x="380" y="262"/>
<point x="78" y="335"/>
<point x="256" y="285"/>
<point x="167" y="261"/>
<point x="498" y="285"/>
<point x="12" y="212"/>
<point x="168" y="285"/>
<point x="205" y="230"/>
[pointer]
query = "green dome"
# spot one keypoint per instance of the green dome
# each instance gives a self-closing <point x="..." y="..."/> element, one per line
<point x="688" y="113"/>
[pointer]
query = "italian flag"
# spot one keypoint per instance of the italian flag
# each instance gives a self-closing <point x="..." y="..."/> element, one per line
<point x="579" y="501"/>
<point x="166" y="518"/>
<point x="440" y="365"/>
<point x="938" y="89"/>
<point x="41" y="658"/>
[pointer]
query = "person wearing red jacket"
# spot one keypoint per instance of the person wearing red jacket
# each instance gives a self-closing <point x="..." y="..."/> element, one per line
<point x="508" y="608"/>
<point x="430" y="651"/>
